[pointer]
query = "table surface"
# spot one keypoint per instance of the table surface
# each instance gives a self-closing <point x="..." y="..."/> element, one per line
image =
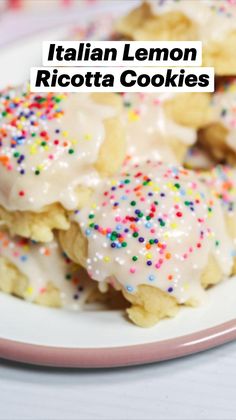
<point x="201" y="386"/>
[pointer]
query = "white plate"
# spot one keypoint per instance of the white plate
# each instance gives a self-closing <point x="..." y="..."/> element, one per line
<point x="33" y="334"/>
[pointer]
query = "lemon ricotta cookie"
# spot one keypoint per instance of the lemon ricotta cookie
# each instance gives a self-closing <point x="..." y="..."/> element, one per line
<point x="155" y="233"/>
<point x="219" y="137"/>
<point x="211" y="21"/>
<point x="221" y="181"/>
<point x="42" y="273"/>
<point x="53" y="149"/>
<point x="162" y="120"/>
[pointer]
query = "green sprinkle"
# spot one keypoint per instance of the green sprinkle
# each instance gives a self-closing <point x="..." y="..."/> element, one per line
<point x="124" y="244"/>
<point x="133" y="203"/>
<point x="71" y="151"/>
<point x="135" y="234"/>
<point x="135" y="258"/>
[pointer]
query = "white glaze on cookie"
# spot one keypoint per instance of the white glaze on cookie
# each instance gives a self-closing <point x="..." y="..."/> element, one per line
<point x="149" y="130"/>
<point x="214" y="18"/>
<point x="48" y="146"/>
<point x="157" y="225"/>
<point x="43" y="264"/>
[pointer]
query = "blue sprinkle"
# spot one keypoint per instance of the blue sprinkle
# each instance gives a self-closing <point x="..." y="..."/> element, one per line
<point x="130" y="289"/>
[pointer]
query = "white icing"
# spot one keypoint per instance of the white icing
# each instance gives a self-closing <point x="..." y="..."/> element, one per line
<point x="187" y="234"/>
<point x="63" y="166"/>
<point x="43" y="264"/>
<point x="149" y="130"/>
<point x="215" y="19"/>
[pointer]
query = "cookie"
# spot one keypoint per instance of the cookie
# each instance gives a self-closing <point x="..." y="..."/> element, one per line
<point x="221" y="181"/>
<point x="154" y="232"/>
<point x="158" y="125"/>
<point x="53" y="149"/>
<point x="219" y="137"/>
<point x="211" y="21"/>
<point x="42" y="273"/>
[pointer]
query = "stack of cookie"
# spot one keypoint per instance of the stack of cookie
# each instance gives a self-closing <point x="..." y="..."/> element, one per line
<point x="94" y="191"/>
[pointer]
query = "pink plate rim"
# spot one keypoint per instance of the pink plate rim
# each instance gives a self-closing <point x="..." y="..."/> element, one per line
<point x="118" y="356"/>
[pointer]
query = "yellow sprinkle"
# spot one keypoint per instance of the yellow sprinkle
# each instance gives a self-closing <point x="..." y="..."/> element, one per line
<point x="29" y="290"/>
<point x="87" y="137"/>
<point x="186" y="286"/>
<point x="173" y="225"/>
<point x="65" y="133"/>
<point x="94" y="206"/>
<point x="33" y="150"/>
<point x="132" y="116"/>
<point x="106" y="259"/>
<point x="148" y="256"/>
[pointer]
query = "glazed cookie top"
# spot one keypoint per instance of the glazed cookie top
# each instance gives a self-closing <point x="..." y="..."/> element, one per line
<point x="48" y="145"/>
<point x="42" y="264"/>
<point x="224" y="109"/>
<point x="145" y="118"/>
<point x="214" y="18"/>
<point x="155" y="224"/>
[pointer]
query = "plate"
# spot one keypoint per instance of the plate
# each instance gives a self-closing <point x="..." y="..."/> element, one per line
<point x="99" y="338"/>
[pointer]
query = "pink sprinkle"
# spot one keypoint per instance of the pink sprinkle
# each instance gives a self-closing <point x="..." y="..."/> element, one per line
<point x="132" y="270"/>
